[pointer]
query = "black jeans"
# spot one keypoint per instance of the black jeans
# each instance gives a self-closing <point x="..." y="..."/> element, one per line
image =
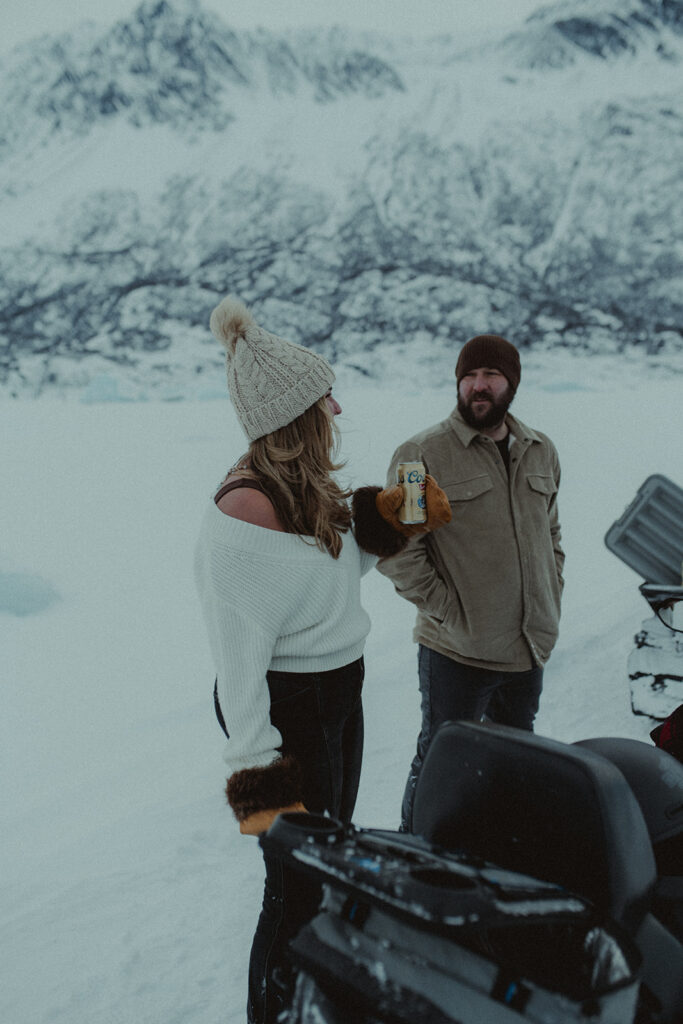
<point x="320" y="719"/>
<point x="451" y="691"/>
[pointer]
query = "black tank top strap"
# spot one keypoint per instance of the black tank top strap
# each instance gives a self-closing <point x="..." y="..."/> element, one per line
<point x="240" y="481"/>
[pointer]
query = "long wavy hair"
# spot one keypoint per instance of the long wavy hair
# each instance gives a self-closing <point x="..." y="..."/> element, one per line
<point x="294" y="465"/>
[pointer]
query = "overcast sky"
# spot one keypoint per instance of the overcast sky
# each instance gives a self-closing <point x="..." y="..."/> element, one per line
<point x="22" y="19"/>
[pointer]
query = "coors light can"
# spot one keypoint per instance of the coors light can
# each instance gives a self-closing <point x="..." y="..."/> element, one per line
<point x="411" y="477"/>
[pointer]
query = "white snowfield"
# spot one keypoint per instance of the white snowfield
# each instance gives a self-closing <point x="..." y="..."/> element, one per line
<point x="127" y="892"/>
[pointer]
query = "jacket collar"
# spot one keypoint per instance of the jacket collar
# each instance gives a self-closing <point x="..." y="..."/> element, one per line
<point x="466" y="434"/>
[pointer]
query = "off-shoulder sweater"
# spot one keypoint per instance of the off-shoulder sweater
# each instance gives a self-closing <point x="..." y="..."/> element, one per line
<point x="273" y="600"/>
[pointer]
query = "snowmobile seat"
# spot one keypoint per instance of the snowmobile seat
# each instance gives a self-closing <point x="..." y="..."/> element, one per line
<point x="656" y="779"/>
<point x="557" y="812"/>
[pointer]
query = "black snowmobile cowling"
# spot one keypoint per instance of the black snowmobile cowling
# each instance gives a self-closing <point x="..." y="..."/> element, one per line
<point x="409" y="933"/>
<point x="543" y="882"/>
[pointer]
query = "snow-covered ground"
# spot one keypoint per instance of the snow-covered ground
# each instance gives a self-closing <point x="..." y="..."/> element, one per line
<point x="128" y="894"/>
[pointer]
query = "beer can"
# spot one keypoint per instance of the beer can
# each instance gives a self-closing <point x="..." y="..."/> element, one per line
<point x="411" y="477"/>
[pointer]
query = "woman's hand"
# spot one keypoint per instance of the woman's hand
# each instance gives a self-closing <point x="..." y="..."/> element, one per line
<point x="390" y="500"/>
<point x="260" y="821"/>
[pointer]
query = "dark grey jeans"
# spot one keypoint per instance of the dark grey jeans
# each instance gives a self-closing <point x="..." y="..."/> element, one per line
<point x="451" y="691"/>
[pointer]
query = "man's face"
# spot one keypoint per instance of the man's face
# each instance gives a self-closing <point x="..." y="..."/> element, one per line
<point x="484" y="396"/>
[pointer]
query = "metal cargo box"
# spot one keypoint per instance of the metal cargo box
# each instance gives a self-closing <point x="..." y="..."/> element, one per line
<point x="649" y="535"/>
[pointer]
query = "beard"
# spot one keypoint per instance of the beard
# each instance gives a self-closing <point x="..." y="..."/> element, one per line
<point x="493" y="415"/>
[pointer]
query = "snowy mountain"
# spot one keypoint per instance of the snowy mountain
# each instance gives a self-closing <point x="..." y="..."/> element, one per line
<point x="557" y="35"/>
<point x="177" y="65"/>
<point x="363" y="193"/>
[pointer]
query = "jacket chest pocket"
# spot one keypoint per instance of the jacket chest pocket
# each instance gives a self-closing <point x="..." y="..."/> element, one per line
<point x="541" y="485"/>
<point x="467" y="490"/>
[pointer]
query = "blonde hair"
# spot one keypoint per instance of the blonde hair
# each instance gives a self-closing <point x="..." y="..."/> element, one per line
<point x="294" y="465"/>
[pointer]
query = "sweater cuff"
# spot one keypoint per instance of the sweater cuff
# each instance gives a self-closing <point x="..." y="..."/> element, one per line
<point x="264" y="789"/>
<point x="373" y="533"/>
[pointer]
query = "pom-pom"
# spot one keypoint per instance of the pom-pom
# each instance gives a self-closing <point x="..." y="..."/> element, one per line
<point x="229" y="321"/>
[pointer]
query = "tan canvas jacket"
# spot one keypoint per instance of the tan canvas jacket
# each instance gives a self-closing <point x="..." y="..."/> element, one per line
<point x="487" y="585"/>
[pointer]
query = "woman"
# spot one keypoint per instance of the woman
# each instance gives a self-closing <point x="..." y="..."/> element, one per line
<point x="278" y="566"/>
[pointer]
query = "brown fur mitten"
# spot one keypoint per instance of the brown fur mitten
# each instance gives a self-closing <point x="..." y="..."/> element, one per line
<point x="253" y="790"/>
<point x="373" y="531"/>
<point x="438" y="508"/>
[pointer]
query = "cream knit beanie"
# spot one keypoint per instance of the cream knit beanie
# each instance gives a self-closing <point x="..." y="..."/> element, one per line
<point x="271" y="381"/>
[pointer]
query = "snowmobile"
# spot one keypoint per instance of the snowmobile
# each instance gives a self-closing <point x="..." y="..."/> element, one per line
<point x="543" y="882"/>
<point x="648" y="537"/>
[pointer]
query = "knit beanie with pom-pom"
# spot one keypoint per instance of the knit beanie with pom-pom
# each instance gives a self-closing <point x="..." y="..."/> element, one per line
<point x="271" y="381"/>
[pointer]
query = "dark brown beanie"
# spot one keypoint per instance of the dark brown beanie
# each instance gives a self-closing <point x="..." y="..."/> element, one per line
<point x="493" y="351"/>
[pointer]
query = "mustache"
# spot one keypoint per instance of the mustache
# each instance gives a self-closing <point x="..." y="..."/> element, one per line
<point x="479" y="395"/>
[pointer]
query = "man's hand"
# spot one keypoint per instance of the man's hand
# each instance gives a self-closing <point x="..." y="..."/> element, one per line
<point x="260" y="821"/>
<point x="438" y="508"/>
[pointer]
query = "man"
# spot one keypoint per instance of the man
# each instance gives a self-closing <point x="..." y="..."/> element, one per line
<point x="487" y="585"/>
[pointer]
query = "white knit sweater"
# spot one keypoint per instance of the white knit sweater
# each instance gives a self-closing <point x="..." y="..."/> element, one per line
<point x="273" y="600"/>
